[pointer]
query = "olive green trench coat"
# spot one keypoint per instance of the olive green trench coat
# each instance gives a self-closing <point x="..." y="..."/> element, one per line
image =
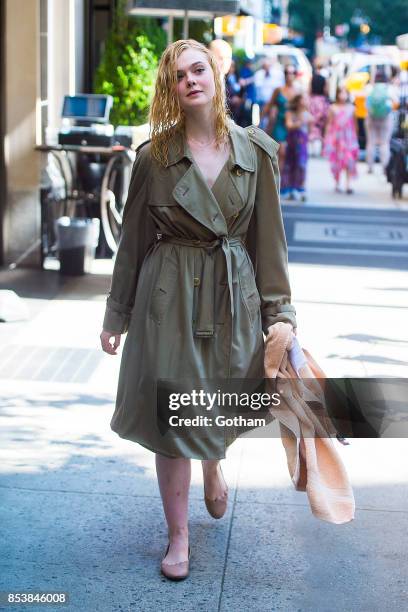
<point x="199" y="274"/>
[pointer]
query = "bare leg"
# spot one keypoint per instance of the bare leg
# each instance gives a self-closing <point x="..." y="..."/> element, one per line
<point x="348" y="182"/>
<point x="370" y="144"/>
<point x="215" y="485"/>
<point x="337" y="182"/>
<point x="384" y="154"/>
<point x="281" y="155"/>
<point x="174" y="477"/>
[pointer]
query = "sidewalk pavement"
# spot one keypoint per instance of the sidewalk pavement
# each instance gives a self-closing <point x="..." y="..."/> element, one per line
<point x="370" y="190"/>
<point x="82" y="509"/>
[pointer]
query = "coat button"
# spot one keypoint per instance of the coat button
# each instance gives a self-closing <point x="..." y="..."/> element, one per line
<point x="196" y="281"/>
<point x="239" y="172"/>
<point x="235" y="215"/>
<point x="251" y="131"/>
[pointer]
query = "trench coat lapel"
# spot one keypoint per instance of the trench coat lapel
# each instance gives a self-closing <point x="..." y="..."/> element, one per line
<point x="194" y="195"/>
<point x="192" y="191"/>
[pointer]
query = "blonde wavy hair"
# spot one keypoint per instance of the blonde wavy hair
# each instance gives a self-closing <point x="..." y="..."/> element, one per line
<point x="166" y="117"/>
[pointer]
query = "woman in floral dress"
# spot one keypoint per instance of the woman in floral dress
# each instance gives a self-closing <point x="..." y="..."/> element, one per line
<point x="341" y="144"/>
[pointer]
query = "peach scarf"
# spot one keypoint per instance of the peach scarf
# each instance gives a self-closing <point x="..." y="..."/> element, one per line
<point x="314" y="464"/>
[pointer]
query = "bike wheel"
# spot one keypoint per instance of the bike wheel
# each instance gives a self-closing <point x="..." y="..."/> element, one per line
<point x="114" y="191"/>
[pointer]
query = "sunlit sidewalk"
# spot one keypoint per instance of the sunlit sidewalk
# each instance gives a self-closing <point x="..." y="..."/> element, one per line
<point x="370" y="190"/>
<point x="81" y="507"/>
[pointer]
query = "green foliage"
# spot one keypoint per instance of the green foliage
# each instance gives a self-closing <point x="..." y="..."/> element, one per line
<point x="128" y="67"/>
<point x="155" y="33"/>
<point x="240" y="56"/>
<point x="306" y="17"/>
<point x="199" y="29"/>
<point x="386" y="19"/>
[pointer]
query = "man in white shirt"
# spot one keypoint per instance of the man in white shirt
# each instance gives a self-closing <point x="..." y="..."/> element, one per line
<point x="267" y="79"/>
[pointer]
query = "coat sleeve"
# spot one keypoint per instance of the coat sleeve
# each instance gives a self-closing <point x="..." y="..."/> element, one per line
<point x="266" y="241"/>
<point x="138" y="233"/>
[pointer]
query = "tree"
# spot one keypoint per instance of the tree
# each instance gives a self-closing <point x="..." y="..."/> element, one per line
<point x="386" y="19"/>
<point x="128" y="66"/>
<point x="307" y="17"/>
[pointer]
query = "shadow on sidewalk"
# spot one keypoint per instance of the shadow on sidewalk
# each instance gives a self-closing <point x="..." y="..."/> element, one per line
<point x="83" y="515"/>
<point x="47" y="284"/>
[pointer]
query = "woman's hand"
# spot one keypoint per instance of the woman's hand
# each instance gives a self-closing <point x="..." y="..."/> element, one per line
<point x="106" y="343"/>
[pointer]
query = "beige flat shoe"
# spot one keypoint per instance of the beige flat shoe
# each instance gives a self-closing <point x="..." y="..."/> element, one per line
<point x="176" y="571"/>
<point x="218" y="506"/>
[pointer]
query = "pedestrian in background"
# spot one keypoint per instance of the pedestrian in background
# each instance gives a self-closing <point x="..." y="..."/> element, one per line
<point x="275" y="111"/>
<point x="381" y="100"/>
<point x="234" y="92"/>
<point x="319" y="108"/>
<point x="340" y="143"/>
<point x="247" y="81"/>
<point x="222" y="52"/>
<point x="267" y="79"/>
<point x="400" y="82"/>
<point x="298" y="121"/>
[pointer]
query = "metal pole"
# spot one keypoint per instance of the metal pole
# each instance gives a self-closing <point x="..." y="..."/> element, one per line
<point x="185" y="24"/>
<point x="284" y="13"/>
<point x="327" y="18"/>
<point x="170" y="29"/>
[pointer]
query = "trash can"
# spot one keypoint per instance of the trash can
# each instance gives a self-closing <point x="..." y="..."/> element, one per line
<point x="77" y="240"/>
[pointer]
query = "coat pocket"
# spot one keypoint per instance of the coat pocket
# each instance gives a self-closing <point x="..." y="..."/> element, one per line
<point x="249" y="291"/>
<point x="165" y="287"/>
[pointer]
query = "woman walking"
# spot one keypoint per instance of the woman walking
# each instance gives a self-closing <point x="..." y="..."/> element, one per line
<point x="319" y="107"/>
<point x="298" y="120"/>
<point x="381" y="101"/>
<point x="200" y="274"/>
<point x="341" y="144"/>
<point x="276" y="109"/>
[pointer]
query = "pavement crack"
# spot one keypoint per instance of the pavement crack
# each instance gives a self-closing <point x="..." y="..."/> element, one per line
<point x="234" y="502"/>
<point x="78" y="492"/>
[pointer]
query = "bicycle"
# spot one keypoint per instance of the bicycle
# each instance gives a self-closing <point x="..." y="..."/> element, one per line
<point x="96" y="182"/>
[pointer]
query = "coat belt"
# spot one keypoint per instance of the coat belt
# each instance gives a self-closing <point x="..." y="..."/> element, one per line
<point x="204" y="322"/>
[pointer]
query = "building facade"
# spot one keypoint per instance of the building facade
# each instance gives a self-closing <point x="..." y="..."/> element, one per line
<point x="43" y="58"/>
<point x="50" y="48"/>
